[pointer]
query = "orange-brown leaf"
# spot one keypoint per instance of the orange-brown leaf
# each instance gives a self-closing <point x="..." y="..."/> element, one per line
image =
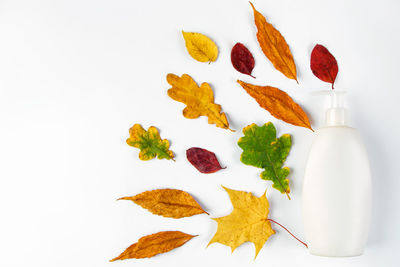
<point x="274" y="46"/>
<point x="151" y="245"/>
<point x="278" y="103"/>
<point x="172" y="203"/>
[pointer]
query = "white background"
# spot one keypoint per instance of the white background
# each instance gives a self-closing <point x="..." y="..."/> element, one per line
<point x="75" y="75"/>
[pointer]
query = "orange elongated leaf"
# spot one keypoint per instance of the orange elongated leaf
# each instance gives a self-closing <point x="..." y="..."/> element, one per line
<point x="278" y="103"/>
<point x="172" y="203"/>
<point x="151" y="245"/>
<point x="274" y="46"/>
<point x="199" y="100"/>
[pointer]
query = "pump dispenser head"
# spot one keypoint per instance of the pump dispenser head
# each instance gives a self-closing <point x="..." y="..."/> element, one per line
<point x="336" y="113"/>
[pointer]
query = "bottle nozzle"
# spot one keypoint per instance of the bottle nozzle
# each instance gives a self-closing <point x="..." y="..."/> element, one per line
<point x="336" y="113"/>
<point x="337" y="99"/>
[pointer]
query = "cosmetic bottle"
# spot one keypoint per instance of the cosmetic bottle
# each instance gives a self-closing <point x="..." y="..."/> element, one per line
<point x="336" y="197"/>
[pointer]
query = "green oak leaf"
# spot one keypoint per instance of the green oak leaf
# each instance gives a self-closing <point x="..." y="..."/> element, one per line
<point x="262" y="149"/>
<point x="149" y="142"/>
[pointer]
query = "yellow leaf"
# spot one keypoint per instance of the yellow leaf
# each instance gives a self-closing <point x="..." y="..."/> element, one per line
<point x="199" y="100"/>
<point x="278" y="103"/>
<point x="248" y="221"/>
<point x="171" y="203"/>
<point x="149" y="142"/>
<point x="151" y="245"/>
<point x="274" y="46"/>
<point x="200" y="47"/>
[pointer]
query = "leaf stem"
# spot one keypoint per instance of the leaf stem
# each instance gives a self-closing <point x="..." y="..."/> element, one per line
<point x="288" y="232"/>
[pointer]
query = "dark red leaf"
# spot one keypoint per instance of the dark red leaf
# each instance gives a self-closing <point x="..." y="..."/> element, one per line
<point x="242" y="59"/>
<point x="323" y="64"/>
<point x="205" y="161"/>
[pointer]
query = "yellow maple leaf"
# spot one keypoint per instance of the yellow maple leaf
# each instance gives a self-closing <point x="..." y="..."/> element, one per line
<point x="199" y="100"/>
<point x="200" y="47"/>
<point x="248" y="221"/>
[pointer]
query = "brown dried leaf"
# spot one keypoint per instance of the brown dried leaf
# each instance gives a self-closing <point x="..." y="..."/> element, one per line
<point x="151" y="245"/>
<point x="172" y="203"/>
<point x="274" y="46"/>
<point x="278" y="103"/>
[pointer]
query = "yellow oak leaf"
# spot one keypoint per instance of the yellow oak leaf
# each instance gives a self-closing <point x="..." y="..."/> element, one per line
<point x="248" y="222"/>
<point x="149" y="142"/>
<point x="199" y="100"/>
<point x="200" y="47"/>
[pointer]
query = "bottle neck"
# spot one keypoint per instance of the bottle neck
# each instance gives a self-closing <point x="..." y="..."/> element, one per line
<point x="336" y="117"/>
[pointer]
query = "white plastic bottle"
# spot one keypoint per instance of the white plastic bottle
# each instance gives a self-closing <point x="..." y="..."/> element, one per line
<point x="337" y="188"/>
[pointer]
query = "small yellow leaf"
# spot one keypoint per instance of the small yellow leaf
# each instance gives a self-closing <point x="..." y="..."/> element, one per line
<point x="170" y="203"/>
<point x="149" y="142"/>
<point x="248" y="221"/>
<point x="151" y="245"/>
<point x="199" y="100"/>
<point x="200" y="47"/>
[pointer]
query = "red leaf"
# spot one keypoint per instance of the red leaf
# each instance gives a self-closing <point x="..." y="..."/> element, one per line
<point x="323" y="64"/>
<point x="242" y="59"/>
<point x="205" y="161"/>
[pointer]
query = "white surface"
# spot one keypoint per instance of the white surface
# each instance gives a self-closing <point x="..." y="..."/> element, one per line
<point x="336" y="195"/>
<point x="76" y="74"/>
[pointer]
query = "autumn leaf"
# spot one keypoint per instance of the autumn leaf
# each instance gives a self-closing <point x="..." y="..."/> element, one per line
<point x="199" y="100"/>
<point x="203" y="160"/>
<point x="274" y="46"/>
<point x="248" y="221"/>
<point x="242" y="59"/>
<point x="200" y="47"/>
<point x="262" y="149"/>
<point x="172" y="203"/>
<point x="278" y="103"/>
<point x="323" y="64"/>
<point x="151" y="245"/>
<point x="149" y="143"/>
